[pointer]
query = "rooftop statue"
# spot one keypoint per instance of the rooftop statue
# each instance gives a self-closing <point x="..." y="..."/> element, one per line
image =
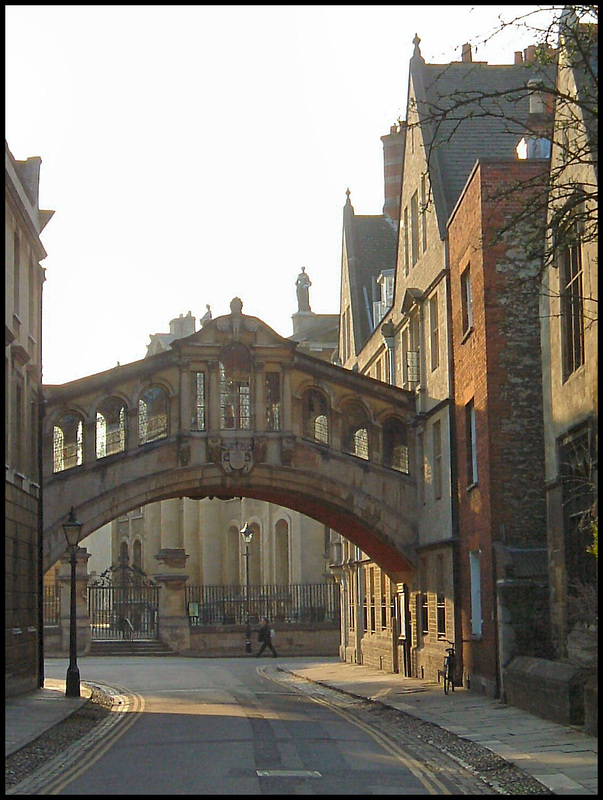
<point x="303" y="284"/>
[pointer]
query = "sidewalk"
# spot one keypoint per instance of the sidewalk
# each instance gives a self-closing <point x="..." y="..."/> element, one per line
<point x="28" y="716"/>
<point x="561" y="758"/>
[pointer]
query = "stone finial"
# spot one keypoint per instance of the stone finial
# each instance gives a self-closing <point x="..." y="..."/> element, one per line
<point x="416" y="41"/>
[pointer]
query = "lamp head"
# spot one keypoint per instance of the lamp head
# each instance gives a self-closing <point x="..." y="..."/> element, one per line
<point x="246" y="533"/>
<point x="72" y="529"/>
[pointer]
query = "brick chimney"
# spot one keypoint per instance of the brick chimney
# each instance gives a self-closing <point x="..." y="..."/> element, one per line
<point x="466" y="55"/>
<point x="393" y="157"/>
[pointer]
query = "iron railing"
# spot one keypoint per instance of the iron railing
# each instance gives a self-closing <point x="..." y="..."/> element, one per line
<point x="289" y="604"/>
<point x="123" y="612"/>
<point x="52" y="605"/>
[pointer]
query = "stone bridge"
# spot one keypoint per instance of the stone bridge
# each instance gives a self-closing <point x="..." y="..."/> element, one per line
<point x="234" y="411"/>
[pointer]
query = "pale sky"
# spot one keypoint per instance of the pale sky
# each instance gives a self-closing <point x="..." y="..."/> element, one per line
<point x="197" y="153"/>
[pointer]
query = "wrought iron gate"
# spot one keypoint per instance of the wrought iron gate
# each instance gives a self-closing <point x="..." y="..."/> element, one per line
<point x="123" y="604"/>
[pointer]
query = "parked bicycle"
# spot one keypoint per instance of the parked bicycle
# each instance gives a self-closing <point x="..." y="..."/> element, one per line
<point x="449" y="668"/>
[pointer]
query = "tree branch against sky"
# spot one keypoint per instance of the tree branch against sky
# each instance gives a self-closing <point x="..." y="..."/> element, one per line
<point x="568" y="118"/>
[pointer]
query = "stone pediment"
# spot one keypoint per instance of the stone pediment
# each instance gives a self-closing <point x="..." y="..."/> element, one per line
<point x="411" y="298"/>
<point x="235" y="327"/>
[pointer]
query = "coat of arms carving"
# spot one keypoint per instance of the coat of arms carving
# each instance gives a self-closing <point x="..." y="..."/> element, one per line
<point x="237" y="456"/>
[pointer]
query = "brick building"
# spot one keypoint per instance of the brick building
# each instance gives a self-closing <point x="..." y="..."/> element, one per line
<point x="498" y="424"/>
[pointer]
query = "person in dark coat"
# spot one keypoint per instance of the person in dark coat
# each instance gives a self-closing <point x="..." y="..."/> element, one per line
<point x="265" y="638"/>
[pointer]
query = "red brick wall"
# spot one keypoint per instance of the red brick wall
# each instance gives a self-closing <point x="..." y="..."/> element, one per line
<point x="497" y="365"/>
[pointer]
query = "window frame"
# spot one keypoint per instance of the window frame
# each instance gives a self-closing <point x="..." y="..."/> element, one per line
<point x="466" y="301"/>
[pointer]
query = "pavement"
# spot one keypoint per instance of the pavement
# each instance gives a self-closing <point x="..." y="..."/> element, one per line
<point x="562" y="758"/>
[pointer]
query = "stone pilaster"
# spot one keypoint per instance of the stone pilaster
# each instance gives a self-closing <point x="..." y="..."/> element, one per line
<point x="172" y="615"/>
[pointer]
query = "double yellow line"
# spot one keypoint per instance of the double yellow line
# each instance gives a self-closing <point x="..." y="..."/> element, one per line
<point x="130" y="707"/>
<point x="429" y="781"/>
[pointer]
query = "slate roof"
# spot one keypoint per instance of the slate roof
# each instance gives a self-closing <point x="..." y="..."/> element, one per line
<point x="470" y="111"/>
<point x="371" y="244"/>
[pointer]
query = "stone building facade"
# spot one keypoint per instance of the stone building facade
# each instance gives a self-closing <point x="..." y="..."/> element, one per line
<point x="569" y="318"/>
<point x="405" y="336"/>
<point x="24" y="277"/>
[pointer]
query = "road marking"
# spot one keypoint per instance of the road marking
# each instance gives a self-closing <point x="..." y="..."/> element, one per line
<point x="128" y="704"/>
<point x="429" y="781"/>
<point x="287" y="773"/>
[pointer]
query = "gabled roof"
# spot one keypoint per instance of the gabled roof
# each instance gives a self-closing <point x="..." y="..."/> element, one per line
<point x="371" y="244"/>
<point x="468" y="111"/>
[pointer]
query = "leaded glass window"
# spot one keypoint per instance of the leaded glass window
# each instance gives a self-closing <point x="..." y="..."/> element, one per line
<point x="68" y="442"/>
<point x="235" y="402"/>
<point x="198" y="421"/>
<point x="273" y="401"/>
<point x="110" y="427"/>
<point x="152" y="415"/>
<point x="395" y="446"/>
<point x="355" y="439"/>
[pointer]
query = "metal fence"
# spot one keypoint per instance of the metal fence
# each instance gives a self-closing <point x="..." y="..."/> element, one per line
<point x="290" y="604"/>
<point x="123" y="612"/>
<point x="52" y="605"/>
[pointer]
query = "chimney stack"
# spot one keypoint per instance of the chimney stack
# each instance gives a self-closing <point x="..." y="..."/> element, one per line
<point x="393" y="159"/>
<point x="466" y="56"/>
<point x="518" y="57"/>
<point x="529" y="53"/>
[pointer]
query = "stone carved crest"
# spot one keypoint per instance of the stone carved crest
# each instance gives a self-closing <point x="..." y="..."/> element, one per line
<point x="237" y="456"/>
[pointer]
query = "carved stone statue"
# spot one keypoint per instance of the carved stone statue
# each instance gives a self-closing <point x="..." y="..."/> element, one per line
<point x="303" y="284"/>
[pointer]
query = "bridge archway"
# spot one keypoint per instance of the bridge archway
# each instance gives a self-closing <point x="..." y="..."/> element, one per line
<point x="238" y="421"/>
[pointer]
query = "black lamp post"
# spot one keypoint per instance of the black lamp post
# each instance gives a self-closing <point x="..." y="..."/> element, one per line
<point x="247" y="535"/>
<point x="72" y="530"/>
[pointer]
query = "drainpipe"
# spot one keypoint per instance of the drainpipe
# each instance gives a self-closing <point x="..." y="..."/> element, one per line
<point x="41" y="409"/>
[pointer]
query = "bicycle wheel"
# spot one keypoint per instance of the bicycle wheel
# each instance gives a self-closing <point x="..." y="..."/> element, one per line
<point x="446" y="678"/>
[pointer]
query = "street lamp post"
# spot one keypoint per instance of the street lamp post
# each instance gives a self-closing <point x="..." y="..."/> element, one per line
<point x="72" y="530"/>
<point x="247" y="535"/>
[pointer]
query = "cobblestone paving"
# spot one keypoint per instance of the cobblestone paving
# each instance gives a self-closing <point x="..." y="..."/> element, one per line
<point x="50" y="744"/>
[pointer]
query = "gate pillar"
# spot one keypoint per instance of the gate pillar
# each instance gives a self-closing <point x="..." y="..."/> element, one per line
<point x="81" y="601"/>
<point x="173" y="621"/>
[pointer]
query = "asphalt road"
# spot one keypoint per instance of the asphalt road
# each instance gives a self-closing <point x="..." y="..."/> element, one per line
<point x="241" y="726"/>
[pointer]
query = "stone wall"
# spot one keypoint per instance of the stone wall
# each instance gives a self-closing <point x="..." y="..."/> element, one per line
<point x="21" y="592"/>
<point x="298" y="640"/>
<point x="549" y="689"/>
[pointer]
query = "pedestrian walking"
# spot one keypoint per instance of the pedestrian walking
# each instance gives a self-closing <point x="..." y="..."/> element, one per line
<point x="265" y="638"/>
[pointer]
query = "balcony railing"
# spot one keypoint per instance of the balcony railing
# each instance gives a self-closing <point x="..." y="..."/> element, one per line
<point x="290" y="604"/>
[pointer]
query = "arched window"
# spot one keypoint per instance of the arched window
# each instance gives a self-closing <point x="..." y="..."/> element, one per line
<point x="110" y="427"/>
<point x="395" y="446"/>
<point x="124" y="555"/>
<point x="68" y="442"/>
<point x="354" y="438"/>
<point x="152" y="415"/>
<point x="235" y="387"/>
<point x="137" y="554"/>
<point x="255" y="555"/>
<point x="281" y="555"/>
<point x="315" y="416"/>
<point x="234" y="567"/>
